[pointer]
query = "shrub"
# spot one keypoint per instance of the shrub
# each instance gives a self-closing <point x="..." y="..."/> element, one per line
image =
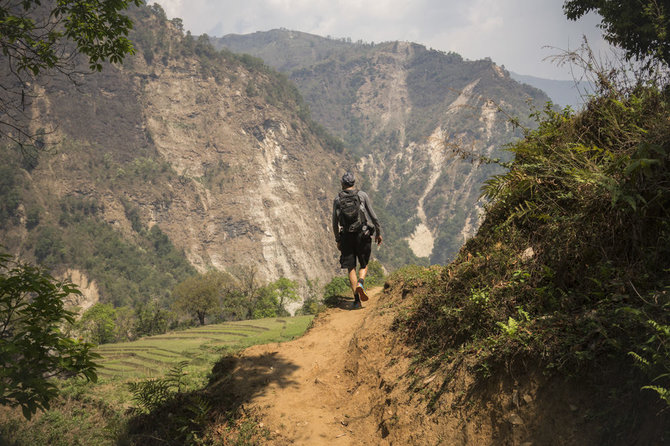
<point x="338" y="288"/>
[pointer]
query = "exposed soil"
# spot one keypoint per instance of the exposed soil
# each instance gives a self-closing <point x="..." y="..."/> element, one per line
<point x="313" y="394"/>
<point x="350" y="381"/>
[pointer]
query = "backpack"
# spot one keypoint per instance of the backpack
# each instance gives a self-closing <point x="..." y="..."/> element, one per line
<point x="352" y="218"/>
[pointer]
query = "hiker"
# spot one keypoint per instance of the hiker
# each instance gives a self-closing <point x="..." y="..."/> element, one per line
<point x="354" y="225"/>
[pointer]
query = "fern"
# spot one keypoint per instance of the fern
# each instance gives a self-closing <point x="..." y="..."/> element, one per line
<point x="154" y="393"/>
<point x="151" y="394"/>
<point x="192" y="425"/>
<point x="662" y="392"/>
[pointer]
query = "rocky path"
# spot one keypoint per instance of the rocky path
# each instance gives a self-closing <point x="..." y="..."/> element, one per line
<point x="307" y="390"/>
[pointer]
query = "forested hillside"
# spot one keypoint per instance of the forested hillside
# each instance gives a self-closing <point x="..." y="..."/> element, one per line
<point x="550" y="326"/>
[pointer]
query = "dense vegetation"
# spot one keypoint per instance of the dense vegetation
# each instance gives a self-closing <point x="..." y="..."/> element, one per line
<point x="183" y="381"/>
<point x="70" y="232"/>
<point x="570" y="268"/>
<point x="96" y="224"/>
<point x="73" y="231"/>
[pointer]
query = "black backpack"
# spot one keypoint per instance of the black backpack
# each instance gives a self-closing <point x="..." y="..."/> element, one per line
<point x="352" y="218"/>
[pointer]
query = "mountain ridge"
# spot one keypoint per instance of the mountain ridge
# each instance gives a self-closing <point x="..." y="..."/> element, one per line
<point x="396" y="105"/>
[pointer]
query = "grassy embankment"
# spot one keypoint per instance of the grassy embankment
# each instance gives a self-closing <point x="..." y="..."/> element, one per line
<point x="98" y="414"/>
<point x="570" y="270"/>
<point x="153" y="356"/>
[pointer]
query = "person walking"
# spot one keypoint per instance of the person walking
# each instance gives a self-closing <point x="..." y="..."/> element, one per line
<point x="355" y="224"/>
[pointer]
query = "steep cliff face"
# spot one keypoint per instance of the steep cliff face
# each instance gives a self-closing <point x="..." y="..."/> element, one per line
<point x="263" y="183"/>
<point x="205" y="146"/>
<point x="401" y="109"/>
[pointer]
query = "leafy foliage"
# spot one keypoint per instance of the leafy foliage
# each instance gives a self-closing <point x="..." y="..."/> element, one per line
<point x="37" y="38"/>
<point x="153" y="393"/>
<point x="198" y="295"/>
<point x="312" y="301"/>
<point x="11" y="194"/>
<point x="98" y="322"/>
<point x="642" y="28"/>
<point x="33" y="347"/>
<point x="33" y="39"/>
<point x="285" y="290"/>
<point x="339" y="287"/>
<point x="653" y="355"/>
<point x="375" y="276"/>
<point x="151" y="318"/>
<point x="264" y="303"/>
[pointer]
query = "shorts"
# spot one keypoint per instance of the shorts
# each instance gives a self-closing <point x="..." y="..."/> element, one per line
<point x="355" y="246"/>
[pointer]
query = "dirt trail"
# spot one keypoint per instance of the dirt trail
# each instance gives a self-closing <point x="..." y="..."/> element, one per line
<point x="350" y="380"/>
<point x="310" y="394"/>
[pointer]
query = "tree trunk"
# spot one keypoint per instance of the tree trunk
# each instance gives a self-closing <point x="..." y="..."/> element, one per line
<point x="201" y="317"/>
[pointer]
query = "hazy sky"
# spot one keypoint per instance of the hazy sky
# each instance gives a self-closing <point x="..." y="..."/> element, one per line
<point x="514" y="33"/>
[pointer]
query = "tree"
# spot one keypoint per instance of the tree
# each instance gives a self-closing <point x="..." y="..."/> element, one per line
<point x="247" y="276"/>
<point x="33" y="347"/>
<point x="199" y="295"/>
<point x="150" y="319"/>
<point x="124" y="324"/>
<point x="285" y="290"/>
<point x="336" y="289"/>
<point x="312" y="303"/>
<point x="641" y="28"/>
<point x="375" y="275"/>
<point x="36" y="38"/>
<point x="99" y="323"/>
<point x="264" y="303"/>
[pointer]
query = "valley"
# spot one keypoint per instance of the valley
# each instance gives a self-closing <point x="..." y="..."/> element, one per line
<point x="168" y="274"/>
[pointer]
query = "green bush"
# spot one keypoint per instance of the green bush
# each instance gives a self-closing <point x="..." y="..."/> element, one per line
<point x="375" y="274"/>
<point x="11" y="194"/>
<point x="34" y="347"/>
<point x="49" y="247"/>
<point x="98" y="324"/>
<point x="338" y="288"/>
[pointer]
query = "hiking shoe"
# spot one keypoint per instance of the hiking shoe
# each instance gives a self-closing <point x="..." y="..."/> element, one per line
<point x="360" y="290"/>
<point x="356" y="305"/>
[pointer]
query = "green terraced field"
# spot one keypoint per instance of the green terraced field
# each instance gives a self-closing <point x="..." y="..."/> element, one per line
<point x="152" y="357"/>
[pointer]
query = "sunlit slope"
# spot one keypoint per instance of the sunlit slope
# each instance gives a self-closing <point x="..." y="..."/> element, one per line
<point x="154" y="356"/>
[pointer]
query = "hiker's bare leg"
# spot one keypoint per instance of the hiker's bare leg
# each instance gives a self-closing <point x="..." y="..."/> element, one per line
<point x="353" y="279"/>
<point x="362" y="273"/>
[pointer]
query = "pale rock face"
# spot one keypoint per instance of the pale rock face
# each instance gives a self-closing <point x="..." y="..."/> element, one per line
<point x="464" y="97"/>
<point x="437" y="163"/>
<point x="276" y="221"/>
<point x="422" y="240"/>
<point x="384" y="99"/>
<point x="488" y="118"/>
<point x="391" y="99"/>
<point x="387" y="102"/>
<point x="89" y="289"/>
